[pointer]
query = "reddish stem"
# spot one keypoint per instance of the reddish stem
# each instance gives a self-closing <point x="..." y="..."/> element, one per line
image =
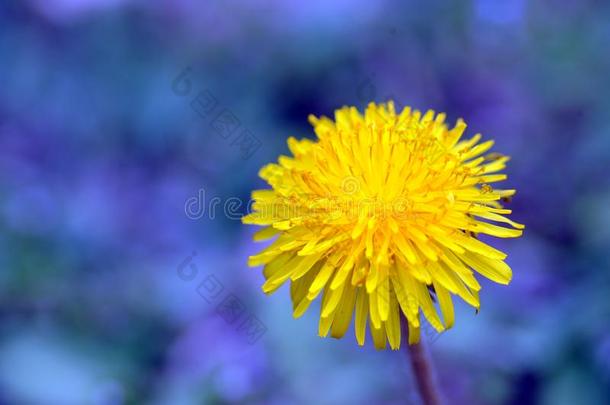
<point x="422" y="369"/>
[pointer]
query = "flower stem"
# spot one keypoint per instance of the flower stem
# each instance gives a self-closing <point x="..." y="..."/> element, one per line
<point x="422" y="369"/>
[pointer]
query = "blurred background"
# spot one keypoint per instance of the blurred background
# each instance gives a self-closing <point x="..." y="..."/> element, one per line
<point x="122" y="120"/>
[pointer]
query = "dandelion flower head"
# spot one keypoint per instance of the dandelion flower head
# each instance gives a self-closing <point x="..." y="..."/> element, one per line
<point x="380" y="216"/>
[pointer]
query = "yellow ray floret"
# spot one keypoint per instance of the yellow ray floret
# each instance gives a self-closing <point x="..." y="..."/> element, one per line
<point x="380" y="216"/>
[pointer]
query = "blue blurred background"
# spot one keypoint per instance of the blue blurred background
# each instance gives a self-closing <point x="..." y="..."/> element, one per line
<point x="118" y="117"/>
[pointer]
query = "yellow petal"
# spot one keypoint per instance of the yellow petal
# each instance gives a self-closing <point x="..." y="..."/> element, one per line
<point x="344" y="314"/>
<point x="495" y="270"/>
<point x="393" y="324"/>
<point x="379" y="336"/>
<point x="362" y="310"/>
<point x="445" y="303"/>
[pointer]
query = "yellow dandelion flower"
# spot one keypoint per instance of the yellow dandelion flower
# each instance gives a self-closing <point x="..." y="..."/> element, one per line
<point x="380" y="215"/>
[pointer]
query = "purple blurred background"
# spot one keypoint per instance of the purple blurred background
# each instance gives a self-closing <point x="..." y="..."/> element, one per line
<point x="114" y="114"/>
